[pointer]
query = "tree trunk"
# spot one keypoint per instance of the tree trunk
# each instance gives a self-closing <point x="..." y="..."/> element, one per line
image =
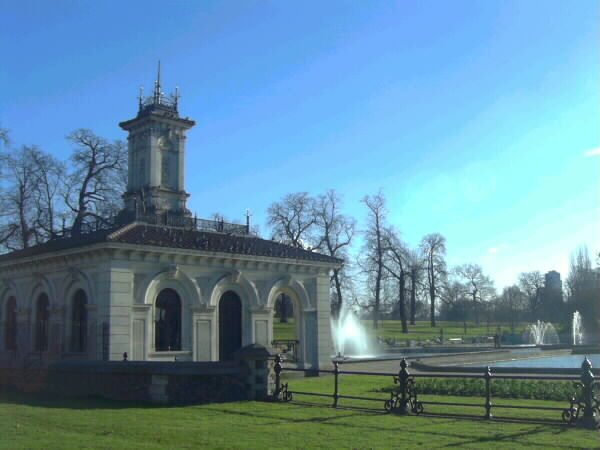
<point x="376" y="308"/>
<point x="338" y="289"/>
<point x="413" y="298"/>
<point x="432" y="298"/>
<point x="402" y="304"/>
<point x="475" y="309"/>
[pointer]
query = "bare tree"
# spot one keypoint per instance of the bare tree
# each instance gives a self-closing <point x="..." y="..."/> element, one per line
<point x="512" y="300"/>
<point x="17" y="201"/>
<point x="433" y="247"/>
<point x="397" y="265"/>
<point x="4" y="136"/>
<point x="94" y="186"/>
<point x="583" y="286"/>
<point x="416" y="267"/>
<point x="532" y="285"/>
<point x="372" y="262"/>
<point x="335" y="232"/>
<point x="292" y="220"/>
<point x="479" y="286"/>
<point x="50" y="173"/>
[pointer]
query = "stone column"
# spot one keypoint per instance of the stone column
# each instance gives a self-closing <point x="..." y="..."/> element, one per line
<point x="92" y="332"/>
<point x="56" y="328"/>
<point x="323" y="322"/>
<point x="262" y="325"/>
<point x="141" y="332"/>
<point x="24" y="334"/>
<point x="204" y="329"/>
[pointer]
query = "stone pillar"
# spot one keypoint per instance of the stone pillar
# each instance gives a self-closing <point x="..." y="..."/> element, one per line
<point x="323" y="322"/>
<point x="56" y="328"/>
<point x="203" y="336"/>
<point x="262" y="325"/>
<point x="24" y="334"/>
<point x="260" y="377"/>
<point x="141" y="332"/>
<point x="116" y="288"/>
<point x="92" y="346"/>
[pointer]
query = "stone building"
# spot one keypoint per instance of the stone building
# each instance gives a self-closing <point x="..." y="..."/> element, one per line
<point x="552" y="302"/>
<point x="159" y="284"/>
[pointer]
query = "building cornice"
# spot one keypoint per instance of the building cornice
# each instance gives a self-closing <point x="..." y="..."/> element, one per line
<point x="114" y="251"/>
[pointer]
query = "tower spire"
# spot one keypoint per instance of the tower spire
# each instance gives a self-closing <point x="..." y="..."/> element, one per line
<point x="157" y="86"/>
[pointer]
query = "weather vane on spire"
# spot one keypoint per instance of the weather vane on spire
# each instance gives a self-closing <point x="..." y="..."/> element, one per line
<point x="158" y="97"/>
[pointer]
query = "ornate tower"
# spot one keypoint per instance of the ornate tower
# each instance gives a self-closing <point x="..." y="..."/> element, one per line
<point x="156" y="155"/>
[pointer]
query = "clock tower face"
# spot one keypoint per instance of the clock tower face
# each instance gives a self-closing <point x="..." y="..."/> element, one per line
<point x="164" y="143"/>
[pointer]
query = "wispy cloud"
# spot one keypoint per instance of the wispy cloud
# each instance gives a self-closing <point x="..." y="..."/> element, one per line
<point x="593" y="152"/>
<point x="497" y="249"/>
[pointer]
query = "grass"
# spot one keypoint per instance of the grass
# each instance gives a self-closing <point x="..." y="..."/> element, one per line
<point x="422" y="330"/>
<point x="35" y="421"/>
<point x="284" y="330"/>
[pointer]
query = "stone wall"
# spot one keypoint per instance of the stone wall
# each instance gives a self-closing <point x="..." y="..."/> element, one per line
<point x="249" y="377"/>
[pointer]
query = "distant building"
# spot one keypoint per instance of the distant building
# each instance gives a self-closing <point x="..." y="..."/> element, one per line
<point x="159" y="284"/>
<point x="552" y="304"/>
<point x="553" y="281"/>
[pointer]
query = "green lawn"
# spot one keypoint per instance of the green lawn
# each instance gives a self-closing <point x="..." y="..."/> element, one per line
<point x="284" y="330"/>
<point x="34" y="421"/>
<point x="421" y="330"/>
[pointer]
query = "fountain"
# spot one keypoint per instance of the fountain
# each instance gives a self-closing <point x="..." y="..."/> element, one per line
<point x="349" y="336"/>
<point x="540" y="333"/>
<point x="577" y="329"/>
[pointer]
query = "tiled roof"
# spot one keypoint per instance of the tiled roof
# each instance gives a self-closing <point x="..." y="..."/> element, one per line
<point x="169" y="237"/>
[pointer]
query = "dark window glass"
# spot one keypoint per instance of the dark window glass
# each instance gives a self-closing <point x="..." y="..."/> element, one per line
<point x="41" y="323"/>
<point x="10" y="337"/>
<point x="79" y="322"/>
<point x="168" y="321"/>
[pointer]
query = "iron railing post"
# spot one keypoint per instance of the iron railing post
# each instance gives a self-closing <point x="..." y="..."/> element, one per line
<point x="277" y="368"/>
<point x="336" y="393"/>
<point x="488" y="392"/>
<point x="590" y="403"/>
<point x="403" y="379"/>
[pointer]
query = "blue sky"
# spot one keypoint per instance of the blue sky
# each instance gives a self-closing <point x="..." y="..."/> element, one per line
<point x="473" y="117"/>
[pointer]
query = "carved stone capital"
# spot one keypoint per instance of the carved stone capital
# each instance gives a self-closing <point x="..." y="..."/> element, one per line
<point x="261" y="309"/>
<point x="202" y="309"/>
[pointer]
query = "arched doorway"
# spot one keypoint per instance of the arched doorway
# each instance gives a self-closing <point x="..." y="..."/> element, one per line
<point x="167" y="331"/>
<point x="230" y="325"/>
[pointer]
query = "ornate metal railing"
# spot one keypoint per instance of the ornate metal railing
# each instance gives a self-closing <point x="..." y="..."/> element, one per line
<point x="289" y="348"/>
<point x="583" y="409"/>
<point x="168" y="220"/>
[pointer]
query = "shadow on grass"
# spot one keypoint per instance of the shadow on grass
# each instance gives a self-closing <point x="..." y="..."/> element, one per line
<point x="437" y="426"/>
<point x="47" y="400"/>
<point x="495" y="419"/>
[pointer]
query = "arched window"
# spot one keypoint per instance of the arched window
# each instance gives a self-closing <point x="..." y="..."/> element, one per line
<point x="167" y="334"/>
<point x="10" y="331"/>
<point x="79" y="322"/>
<point x="41" y="323"/>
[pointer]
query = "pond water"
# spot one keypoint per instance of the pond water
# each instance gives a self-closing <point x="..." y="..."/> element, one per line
<point x="564" y="361"/>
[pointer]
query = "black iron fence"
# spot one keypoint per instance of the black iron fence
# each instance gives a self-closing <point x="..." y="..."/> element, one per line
<point x="583" y="408"/>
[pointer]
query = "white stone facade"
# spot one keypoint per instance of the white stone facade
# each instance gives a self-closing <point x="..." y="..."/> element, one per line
<point x="122" y="282"/>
